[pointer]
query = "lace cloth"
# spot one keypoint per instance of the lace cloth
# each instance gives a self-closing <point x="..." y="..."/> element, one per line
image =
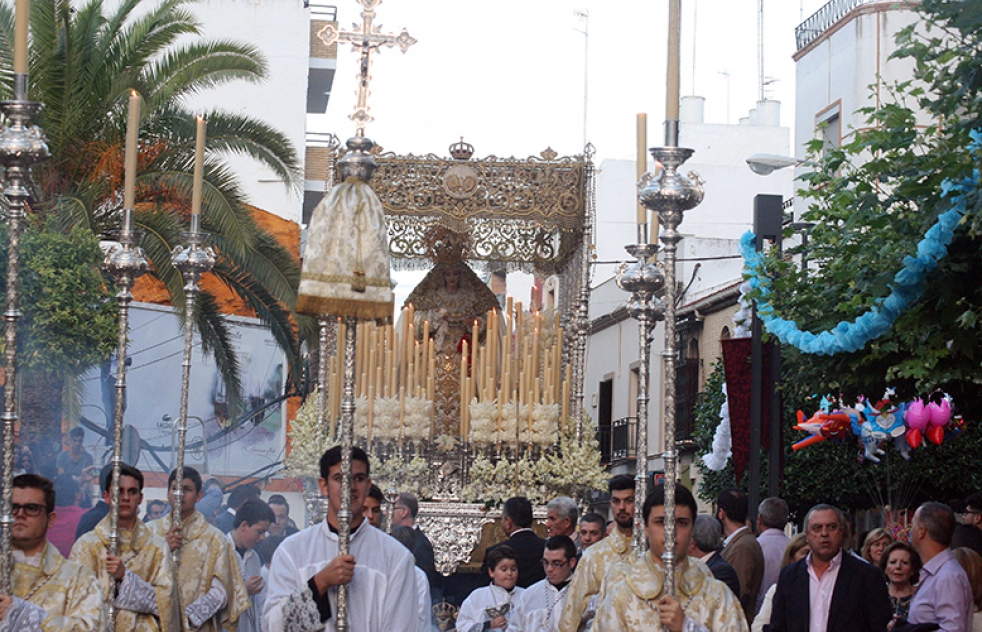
<point x="300" y="613"/>
<point x="23" y="616"/>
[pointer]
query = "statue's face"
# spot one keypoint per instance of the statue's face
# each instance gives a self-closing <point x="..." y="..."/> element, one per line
<point x="451" y="279"/>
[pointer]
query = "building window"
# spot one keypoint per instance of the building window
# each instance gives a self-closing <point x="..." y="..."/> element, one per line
<point x="687" y="385"/>
<point x="605" y="412"/>
<point x="828" y="127"/>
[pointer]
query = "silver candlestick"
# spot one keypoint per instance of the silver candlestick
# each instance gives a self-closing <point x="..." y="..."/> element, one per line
<point x="125" y="263"/>
<point x="21" y="146"/>
<point x="192" y="262"/>
<point x="670" y="195"/>
<point x="645" y="281"/>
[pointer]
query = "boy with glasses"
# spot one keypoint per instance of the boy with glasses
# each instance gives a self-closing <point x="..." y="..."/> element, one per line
<point x="541" y="605"/>
<point x="50" y="592"/>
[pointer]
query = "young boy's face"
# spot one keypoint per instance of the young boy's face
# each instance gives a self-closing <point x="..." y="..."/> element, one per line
<point x="249" y="536"/>
<point x="505" y="574"/>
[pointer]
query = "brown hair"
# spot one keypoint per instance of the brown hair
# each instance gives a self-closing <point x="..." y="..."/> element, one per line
<point x="875" y="536"/>
<point x="972" y="563"/>
<point x="795" y="544"/>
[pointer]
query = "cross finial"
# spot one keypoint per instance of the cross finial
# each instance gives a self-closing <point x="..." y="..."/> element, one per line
<point x="366" y="38"/>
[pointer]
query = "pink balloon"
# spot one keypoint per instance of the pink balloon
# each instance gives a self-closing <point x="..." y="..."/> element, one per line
<point x="935" y="435"/>
<point x="917" y="416"/>
<point x="914" y="437"/>
<point x="939" y="415"/>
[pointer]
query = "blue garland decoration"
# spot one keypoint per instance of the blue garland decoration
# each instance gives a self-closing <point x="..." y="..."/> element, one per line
<point x="907" y="286"/>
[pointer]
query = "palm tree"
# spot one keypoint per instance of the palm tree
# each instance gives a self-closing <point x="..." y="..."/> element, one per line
<point x="84" y="61"/>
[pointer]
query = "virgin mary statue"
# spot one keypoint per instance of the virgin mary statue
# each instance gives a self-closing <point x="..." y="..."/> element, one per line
<point x="451" y="297"/>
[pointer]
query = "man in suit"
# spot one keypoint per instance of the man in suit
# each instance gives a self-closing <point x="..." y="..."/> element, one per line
<point x="404" y="513"/>
<point x="740" y="548"/>
<point x="830" y="589"/>
<point x="707" y="536"/>
<point x="516" y="520"/>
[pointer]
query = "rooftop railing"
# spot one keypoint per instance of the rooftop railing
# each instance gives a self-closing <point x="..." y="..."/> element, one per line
<point x="820" y="21"/>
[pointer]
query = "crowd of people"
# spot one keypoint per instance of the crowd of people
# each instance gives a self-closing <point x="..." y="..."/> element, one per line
<point x="246" y="566"/>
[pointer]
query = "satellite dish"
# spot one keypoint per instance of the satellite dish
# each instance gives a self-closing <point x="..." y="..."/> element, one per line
<point x="131" y="445"/>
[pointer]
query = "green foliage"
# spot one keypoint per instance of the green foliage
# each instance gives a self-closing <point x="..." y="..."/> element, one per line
<point x="68" y="315"/>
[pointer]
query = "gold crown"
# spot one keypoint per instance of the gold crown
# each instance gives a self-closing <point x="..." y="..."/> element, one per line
<point x="461" y="150"/>
<point x="445" y="613"/>
<point x="444" y="245"/>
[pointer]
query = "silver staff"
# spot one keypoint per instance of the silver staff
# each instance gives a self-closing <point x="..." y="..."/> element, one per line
<point x="192" y="261"/>
<point x="670" y="196"/>
<point x="347" y="440"/>
<point x="125" y="262"/>
<point x="645" y="281"/>
<point x="21" y="146"/>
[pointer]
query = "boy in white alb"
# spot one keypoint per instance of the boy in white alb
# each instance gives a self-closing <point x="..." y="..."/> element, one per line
<point x="492" y="607"/>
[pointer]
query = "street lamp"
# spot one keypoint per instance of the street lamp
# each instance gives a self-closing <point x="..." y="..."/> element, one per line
<point x="766" y="164"/>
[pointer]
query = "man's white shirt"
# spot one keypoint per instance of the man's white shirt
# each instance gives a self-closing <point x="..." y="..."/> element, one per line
<point x="384" y="582"/>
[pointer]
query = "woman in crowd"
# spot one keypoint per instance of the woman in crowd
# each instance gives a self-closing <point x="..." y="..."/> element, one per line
<point x="972" y="563"/>
<point x="901" y="564"/>
<point x="874" y="545"/>
<point x="796" y="550"/>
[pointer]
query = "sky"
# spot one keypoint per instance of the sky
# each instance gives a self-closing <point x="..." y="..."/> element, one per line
<point x="509" y="75"/>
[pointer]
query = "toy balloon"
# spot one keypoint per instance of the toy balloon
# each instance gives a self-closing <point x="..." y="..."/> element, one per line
<point x="917" y="416"/>
<point x="914" y="438"/>
<point x="935" y="434"/>
<point x="939" y="414"/>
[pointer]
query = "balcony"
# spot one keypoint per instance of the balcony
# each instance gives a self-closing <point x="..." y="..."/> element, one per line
<point x="820" y="21"/>
<point x="618" y="441"/>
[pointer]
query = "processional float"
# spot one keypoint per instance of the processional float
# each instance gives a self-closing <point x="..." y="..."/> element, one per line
<point x="455" y="404"/>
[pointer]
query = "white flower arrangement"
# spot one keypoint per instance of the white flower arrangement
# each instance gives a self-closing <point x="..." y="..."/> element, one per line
<point x="545" y="420"/>
<point x="484" y="422"/>
<point x="446" y="443"/>
<point x="360" y="429"/>
<point x="416" y="426"/>
<point x="385" y="426"/>
<point x="308" y="441"/>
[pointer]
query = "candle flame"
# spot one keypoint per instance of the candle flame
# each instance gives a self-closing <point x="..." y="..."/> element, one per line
<point x="133" y="93"/>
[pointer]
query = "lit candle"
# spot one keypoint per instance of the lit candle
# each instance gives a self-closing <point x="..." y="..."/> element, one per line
<point x="199" y="174"/>
<point x="129" y="179"/>
<point x="474" y="336"/>
<point x="642" y="162"/>
<point x="402" y="413"/>
<point x="22" y="12"/>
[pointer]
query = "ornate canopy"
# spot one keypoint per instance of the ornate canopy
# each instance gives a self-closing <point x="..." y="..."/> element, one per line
<point x="523" y="213"/>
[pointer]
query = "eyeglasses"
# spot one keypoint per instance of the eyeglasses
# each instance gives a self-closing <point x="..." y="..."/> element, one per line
<point x="31" y="510"/>
<point x="554" y="563"/>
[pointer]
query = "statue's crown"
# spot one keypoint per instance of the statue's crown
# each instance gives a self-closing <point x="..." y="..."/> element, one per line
<point x="444" y="245"/>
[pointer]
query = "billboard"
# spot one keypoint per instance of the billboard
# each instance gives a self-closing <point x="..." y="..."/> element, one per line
<point x="235" y="447"/>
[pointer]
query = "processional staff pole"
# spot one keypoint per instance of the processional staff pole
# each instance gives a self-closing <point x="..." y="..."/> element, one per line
<point x="125" y="262"/>
<point x="670" y="196"/>
<point x="21" y="146"/>
<point x="192" y="261"/>
<point x="645" y="282"/>
<point x="358" y="162"/>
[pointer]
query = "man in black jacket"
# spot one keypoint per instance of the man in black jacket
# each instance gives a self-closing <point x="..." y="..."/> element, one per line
<point x="707" y="536"/>
<point x="516" y="520"/>
<point x="830" y="589"/>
